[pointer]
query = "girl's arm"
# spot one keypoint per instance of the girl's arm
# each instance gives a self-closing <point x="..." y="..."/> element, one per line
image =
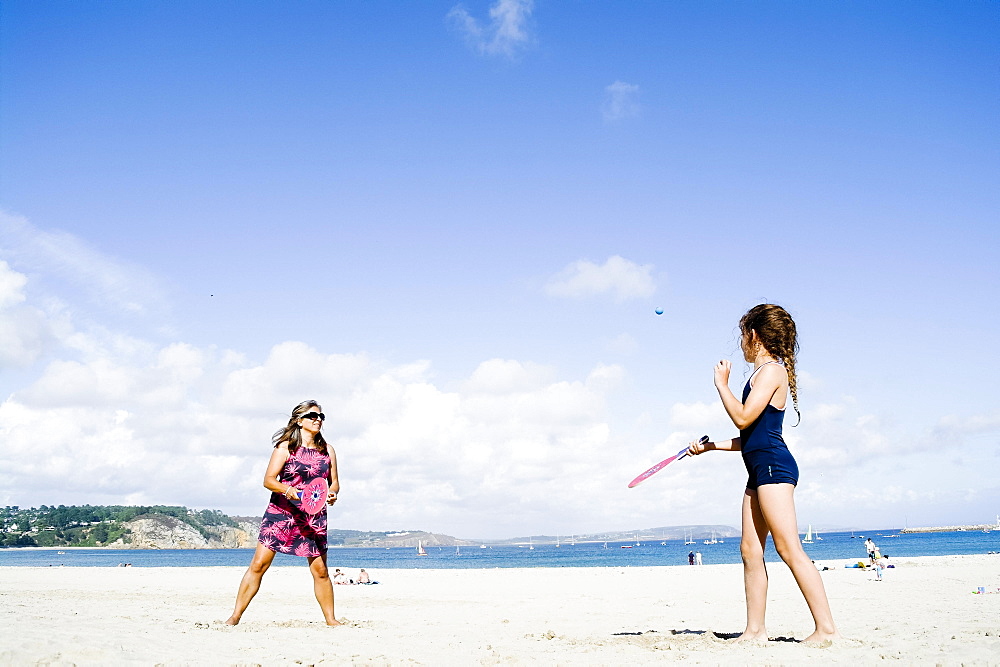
<point x="731" y="445"/>
<point x="334" y="477"/>
<point x="769" y="380"/>
<point x="279" y="457"/>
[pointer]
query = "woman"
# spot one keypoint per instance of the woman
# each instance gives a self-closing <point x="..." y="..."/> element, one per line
<point x="300" y="456"/>
<point x="769" y="342"/>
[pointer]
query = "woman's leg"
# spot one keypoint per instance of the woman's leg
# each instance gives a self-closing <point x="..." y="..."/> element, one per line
<point x="777" y="505"/>
<point x="754" y="571"/>
<point x="250" y="584"/>
<point x="323" y="587"/>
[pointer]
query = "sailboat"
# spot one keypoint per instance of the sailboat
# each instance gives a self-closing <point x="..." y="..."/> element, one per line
<point x="713" y="540"/>
<point x="420" y="549"/>
<point x="458" y="551"/>
<point x="809" y="535"/>
<point x="531" y="547"/>
<point x="688" y="537"/>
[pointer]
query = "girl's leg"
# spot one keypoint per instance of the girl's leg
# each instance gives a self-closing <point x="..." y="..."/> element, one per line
<point x="250" y="584"/>
<point x="777" y="505"/>
<point x="754" y="570"/>
<point x="323" y="587"/>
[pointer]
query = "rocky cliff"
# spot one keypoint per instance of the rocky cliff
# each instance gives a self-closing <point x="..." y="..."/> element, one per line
<point x="157" y="531"/>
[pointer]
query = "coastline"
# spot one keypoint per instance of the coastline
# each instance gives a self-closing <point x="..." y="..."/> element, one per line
<point x="923" y="611"/>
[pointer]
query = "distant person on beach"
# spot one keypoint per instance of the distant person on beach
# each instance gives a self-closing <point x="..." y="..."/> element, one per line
<point x="300" y="456"/>
<point x="691" y="558"/>
<point x="697" y="558"/>
<point x="363" y="577"/>
<point x="769" y="342"/>
<point x="870" y="547"/>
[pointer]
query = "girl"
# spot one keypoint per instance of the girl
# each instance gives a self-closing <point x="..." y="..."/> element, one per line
<point x="300" y="455"/>
<point x="769" y="342"/>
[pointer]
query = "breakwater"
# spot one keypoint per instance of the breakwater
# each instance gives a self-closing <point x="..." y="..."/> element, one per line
<point x="986" y="527"/>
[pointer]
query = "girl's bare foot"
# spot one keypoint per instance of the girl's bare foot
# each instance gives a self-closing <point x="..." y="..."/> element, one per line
<point x="752" y="637"/>
<point x="232" y="620"/>
<point x="820" y="637"/>
<point x="333" y="623"/>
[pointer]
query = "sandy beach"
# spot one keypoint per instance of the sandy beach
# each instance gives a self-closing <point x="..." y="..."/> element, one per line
<point x="923" y="612"/>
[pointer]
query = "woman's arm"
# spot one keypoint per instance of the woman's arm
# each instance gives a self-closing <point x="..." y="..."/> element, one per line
<point x="334" y="478"/>
<point x="769" y="380"/>
<point x="274" y="467"/>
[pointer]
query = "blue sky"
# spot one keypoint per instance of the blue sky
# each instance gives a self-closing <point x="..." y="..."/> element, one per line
<point x="451" y="224"/>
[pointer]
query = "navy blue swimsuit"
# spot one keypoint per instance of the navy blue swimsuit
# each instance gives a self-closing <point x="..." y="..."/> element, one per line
<point x="765" y="454"/>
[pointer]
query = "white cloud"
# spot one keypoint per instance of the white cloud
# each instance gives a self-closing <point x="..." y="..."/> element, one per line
<point x="504" y="376"/>
<point x="105" y="282"/>
<point x="617" y="276"/>
<point x="506" y="34"/>
<point x="516" y="447"/>
<point x="412" y="454"/>
<point x="621" y="101"/>
<point x="128" y="421"/>
<point x="11" y="286"/>
<point x="24" y="331"/>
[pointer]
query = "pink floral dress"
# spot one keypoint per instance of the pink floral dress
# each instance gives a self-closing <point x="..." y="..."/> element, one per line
<point x="285" y="527"/>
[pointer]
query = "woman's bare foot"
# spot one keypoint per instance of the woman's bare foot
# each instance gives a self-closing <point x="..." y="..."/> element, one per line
<point x="333" y="623"/>
<point x="748" y="636"/>
<point x="820" y="637"/>
<point x="233" y="620"/>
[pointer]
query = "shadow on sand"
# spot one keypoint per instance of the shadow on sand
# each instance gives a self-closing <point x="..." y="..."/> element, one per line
<point x="687" y="631"/>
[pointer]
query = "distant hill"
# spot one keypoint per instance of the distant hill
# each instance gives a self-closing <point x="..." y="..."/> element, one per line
<point x="177" y="527"/>
<point x="123" y="527"/>
<point x="170" y="527"/>
<point x="697" y="532"/>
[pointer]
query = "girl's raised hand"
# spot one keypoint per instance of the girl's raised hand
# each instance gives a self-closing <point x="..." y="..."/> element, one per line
<point x="722" y="373"/>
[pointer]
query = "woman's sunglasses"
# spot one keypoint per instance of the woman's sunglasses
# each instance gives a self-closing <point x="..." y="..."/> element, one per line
<point x="314" y="415"/>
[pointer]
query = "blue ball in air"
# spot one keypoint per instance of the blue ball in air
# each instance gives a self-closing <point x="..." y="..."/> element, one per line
<point x="659" y="311"/>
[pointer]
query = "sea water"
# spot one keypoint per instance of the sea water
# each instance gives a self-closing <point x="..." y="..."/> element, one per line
<point x="652" y="552"/>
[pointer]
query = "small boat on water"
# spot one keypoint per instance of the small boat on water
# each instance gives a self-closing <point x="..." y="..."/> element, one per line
<point x="809" y="535"/>
<point x="420" y="549"/>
